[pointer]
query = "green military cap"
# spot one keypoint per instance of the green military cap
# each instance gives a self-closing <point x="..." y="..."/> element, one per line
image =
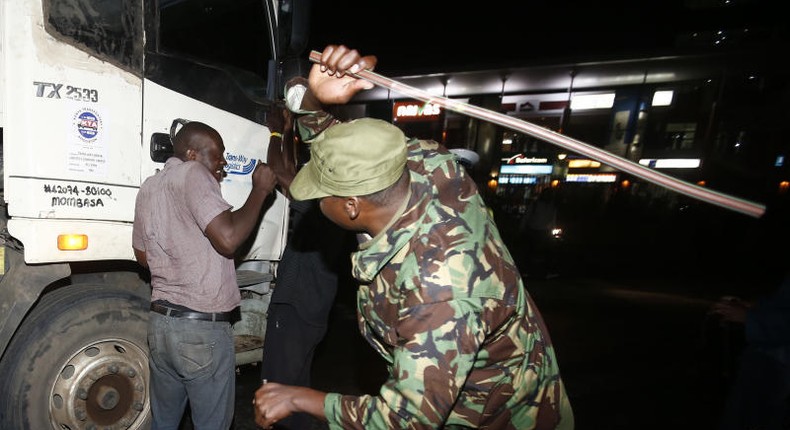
<point x="355" y="158"/>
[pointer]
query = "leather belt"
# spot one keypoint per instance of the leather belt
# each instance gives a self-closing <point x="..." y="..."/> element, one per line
<point x="192" y="315"/>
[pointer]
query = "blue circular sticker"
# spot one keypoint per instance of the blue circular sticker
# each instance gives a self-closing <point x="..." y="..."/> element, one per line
<point x="88" y="125"/>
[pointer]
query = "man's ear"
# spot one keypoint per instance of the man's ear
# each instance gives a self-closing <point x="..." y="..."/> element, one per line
<point x="191" y="154"/>
<point x="352" y="207"/>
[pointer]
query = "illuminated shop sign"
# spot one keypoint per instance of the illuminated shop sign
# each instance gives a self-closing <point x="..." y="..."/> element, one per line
<point x="593" y="177"/>
<point x="415" y="111"/>
<point x="525" y="169"/>
<point x="670" y="163"/>
<point x="523" y="159"/>
<point x="517" y="179"/>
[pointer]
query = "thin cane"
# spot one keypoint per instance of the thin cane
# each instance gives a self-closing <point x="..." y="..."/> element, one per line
<point x="737" y="204"/>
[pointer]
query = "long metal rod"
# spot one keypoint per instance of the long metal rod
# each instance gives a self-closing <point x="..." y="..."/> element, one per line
<point x="714" y="197"/>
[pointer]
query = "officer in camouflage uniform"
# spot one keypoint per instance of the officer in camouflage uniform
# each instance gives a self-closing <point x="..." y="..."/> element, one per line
<point x="440" y="297"/>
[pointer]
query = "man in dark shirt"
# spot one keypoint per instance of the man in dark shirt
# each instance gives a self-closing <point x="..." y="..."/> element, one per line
<point x="307" y="279"/>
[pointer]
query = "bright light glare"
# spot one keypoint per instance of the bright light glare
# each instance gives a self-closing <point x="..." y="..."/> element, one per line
<point x="72" y="242"/>
<point x="583" y="163"/>
<point x="663" y="98"/>
<point x="592" y="101"/>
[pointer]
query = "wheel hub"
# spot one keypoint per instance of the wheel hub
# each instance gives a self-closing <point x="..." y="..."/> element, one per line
<point x="104" y="386"/>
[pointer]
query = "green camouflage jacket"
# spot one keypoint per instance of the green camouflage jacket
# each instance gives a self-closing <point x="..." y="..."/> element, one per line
<point x="442" y="301"/>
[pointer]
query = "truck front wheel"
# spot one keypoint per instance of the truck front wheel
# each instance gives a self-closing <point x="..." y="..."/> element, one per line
<point x="79" y="361"/>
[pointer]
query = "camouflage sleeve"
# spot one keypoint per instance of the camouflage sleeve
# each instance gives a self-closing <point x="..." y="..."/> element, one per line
<point x="436" y="352"/>
<point x="309" y="123"/>
<point x="313" y="124"/>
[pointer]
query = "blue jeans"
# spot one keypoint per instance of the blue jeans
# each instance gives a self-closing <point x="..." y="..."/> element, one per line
<point x="191" y="360"/>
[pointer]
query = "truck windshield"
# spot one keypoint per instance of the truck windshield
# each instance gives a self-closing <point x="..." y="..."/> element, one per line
<point x="110" y="30"/>
<point x="219" y="32"/>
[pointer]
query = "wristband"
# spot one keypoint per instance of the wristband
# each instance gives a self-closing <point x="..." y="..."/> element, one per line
<point x="294" y="94"/>
<point x="277" y="134"/>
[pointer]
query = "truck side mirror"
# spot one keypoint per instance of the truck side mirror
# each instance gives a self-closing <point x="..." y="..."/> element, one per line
<point x="162" y="144"/>
<point x="161" y="147"/>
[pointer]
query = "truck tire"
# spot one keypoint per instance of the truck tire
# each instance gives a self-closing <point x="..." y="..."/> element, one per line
<point x="79" y="361"/>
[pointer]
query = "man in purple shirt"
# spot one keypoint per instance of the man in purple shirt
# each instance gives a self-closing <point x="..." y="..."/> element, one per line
<point x="186" y="234"/>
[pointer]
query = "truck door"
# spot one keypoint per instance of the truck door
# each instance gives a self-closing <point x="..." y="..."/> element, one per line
<point x="209" y="61"/>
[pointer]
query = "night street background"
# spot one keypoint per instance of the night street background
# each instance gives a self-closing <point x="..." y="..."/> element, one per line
<point x="435" y="36"/>
<point x="634" y="353"/>
<point x="627" y="315"/>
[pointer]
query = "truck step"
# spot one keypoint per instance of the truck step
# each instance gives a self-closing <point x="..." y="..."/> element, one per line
<point x="251" y="277"/>
<point x="247" y="342"/>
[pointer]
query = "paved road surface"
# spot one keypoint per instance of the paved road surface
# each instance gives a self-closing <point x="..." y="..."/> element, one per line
<point x="635" y="354"/>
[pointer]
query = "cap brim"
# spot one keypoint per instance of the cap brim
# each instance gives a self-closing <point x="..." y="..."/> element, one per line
<point x="305" y="185"/>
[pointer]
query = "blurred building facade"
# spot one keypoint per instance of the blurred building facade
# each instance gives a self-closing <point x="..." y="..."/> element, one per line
<point x="712" y="111"/>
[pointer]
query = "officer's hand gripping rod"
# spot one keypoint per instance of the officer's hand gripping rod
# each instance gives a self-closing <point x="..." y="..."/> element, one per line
<point x="720" y="199"/>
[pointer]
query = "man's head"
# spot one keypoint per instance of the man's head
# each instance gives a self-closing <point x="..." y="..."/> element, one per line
<point x="202" y="143"/>
<point x="357" y="158"/>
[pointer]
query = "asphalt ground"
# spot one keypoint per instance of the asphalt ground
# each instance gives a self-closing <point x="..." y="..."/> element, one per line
<point x="635" y="353"/>
<point x="627" y="316"/>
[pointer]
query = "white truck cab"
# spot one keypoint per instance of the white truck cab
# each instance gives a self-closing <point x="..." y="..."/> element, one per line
<point x="90" y="91"/>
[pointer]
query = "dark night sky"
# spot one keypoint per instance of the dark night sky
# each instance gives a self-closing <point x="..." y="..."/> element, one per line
<point x="440" y="34"/>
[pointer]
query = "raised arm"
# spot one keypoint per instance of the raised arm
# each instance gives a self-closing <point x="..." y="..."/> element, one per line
<point x="281" y="156"/>
<point x="330" y="81"/>
<point x="228" y="230"/>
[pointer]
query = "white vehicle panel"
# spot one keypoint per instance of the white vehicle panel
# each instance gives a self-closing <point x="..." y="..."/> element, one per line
<point x="106" y="240"/>
<point x="80" y="120"/>
<point x="245" y="143"/>
<point x="58" y="198"/>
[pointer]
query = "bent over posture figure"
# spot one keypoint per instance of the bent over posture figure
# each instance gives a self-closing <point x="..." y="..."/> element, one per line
<point x="440" y="297"/>
<point x="186" y="234"/>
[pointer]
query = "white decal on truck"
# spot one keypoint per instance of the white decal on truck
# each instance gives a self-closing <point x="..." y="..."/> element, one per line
<point x="51" y="90"/>
<point x="239" y="164"/>
<point x="74" y="196"/>
<point x="87" y="152"/>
